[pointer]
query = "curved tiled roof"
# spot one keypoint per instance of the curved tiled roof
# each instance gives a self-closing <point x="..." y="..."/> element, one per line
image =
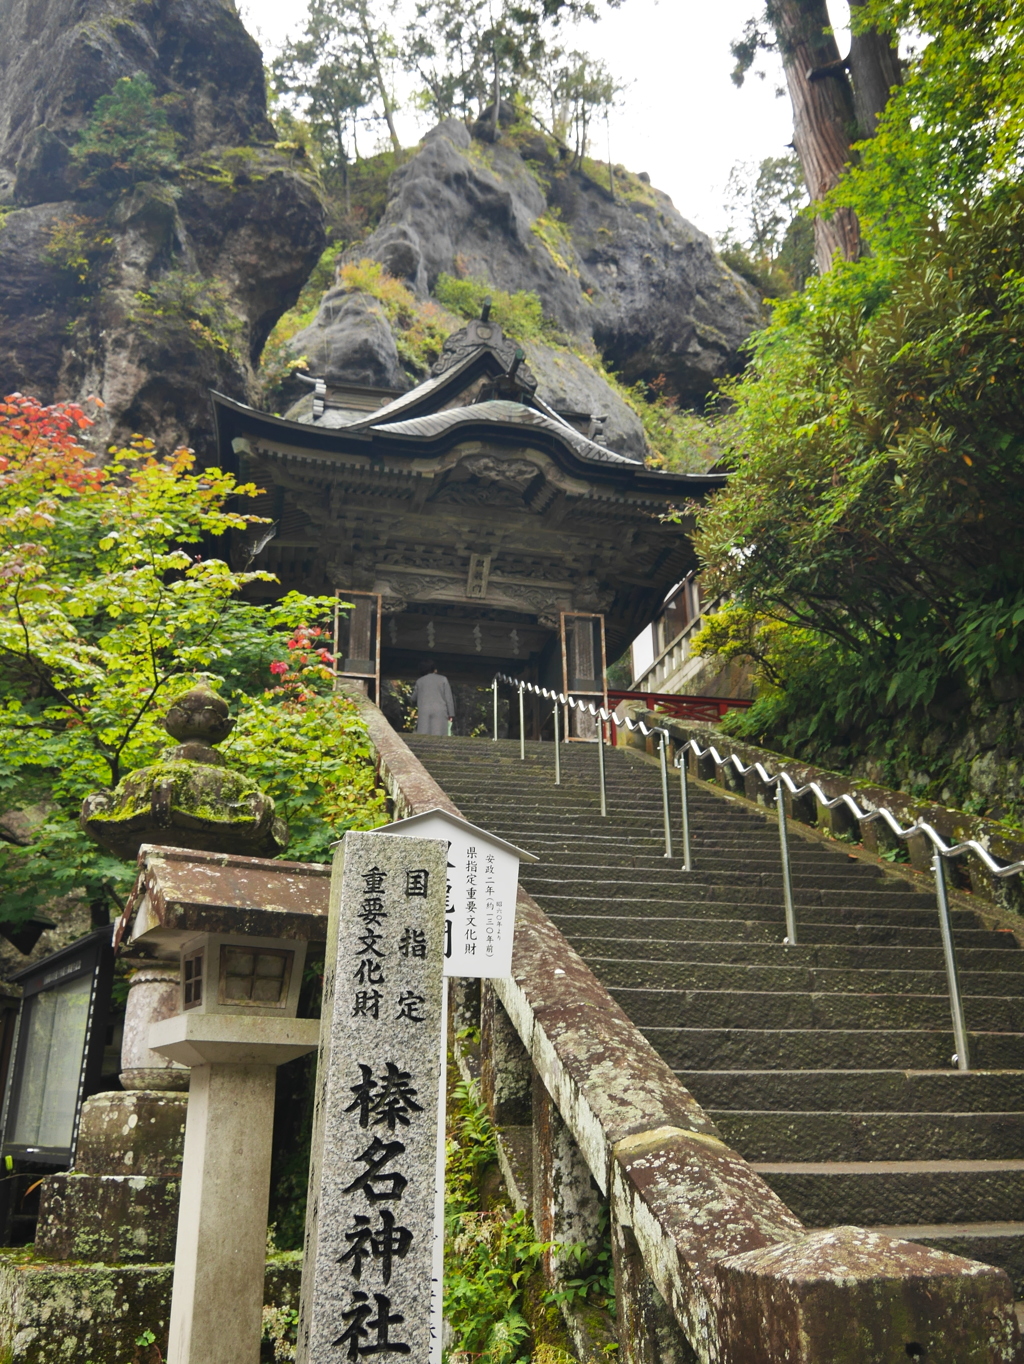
<point x="501" y="412"/>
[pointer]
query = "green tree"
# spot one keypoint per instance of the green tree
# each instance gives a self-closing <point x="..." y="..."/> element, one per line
<point x="576" y="89"/>
<point x="952" y="136"/>
<point x="335" y="72"/>
<point x="448" y="45"/>
<point x="878" y="480"/>
<point x="769" y="242"/>
<point x="835" y="99"/>
<point x="330" y="91"/>
<point x="128" y="137"/>
<point x="471" y="55"/>
<point x="107" y="608"/>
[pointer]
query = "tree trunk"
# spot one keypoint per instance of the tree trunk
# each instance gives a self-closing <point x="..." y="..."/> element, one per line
<point x="874" y="70"/>
<point x="496" y="115"/>
<point x="823" y="116"/>
<point x="385" y="98"/>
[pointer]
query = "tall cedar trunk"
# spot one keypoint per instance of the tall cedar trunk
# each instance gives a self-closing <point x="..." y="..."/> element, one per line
<point x="874" y="70"/>
<point x="823" y="116"/>
<point x="382" y="88"/>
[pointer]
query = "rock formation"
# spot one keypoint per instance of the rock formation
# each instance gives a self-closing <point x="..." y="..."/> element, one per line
<point x="153" y="283"/>
<point x="625" y="277"/>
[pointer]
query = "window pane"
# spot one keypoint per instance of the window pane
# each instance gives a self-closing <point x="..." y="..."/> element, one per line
<point x="52" y="1044"/>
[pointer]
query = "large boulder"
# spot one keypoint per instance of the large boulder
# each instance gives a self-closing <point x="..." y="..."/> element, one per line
<point x="622" y="272"/>
<point x="148" y="293"/>
<point x="351" y="341"/>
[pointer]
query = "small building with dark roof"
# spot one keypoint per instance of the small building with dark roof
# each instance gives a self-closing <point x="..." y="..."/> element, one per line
<point x="476" y="511"/>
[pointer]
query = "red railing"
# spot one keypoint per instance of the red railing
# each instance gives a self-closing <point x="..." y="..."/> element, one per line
<point x="706" y="708"/>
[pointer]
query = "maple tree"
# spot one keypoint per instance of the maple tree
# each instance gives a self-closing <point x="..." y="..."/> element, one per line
<point x="107" y="609"/>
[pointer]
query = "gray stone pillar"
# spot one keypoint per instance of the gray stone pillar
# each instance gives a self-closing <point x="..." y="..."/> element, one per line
<point x="506" y="1072"/>
<point x="566" y="1201"/>
<point x="222" y="1223"/>
<point x="119" y="1205"/>
<point x="648" y="1332"/>
<point x="220" y="1252"/>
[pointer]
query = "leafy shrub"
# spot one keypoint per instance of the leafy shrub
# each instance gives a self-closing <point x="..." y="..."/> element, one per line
<point x="421" y="329"/>
<point x="200" y="304"/>
<point x="106" y="613"/>
<point x="128" y="137"/>
<point x="489" y="1255"/>
<point x="878" y="490"/>
<point x="520" y="314"/>
<point x="77" y="244"/>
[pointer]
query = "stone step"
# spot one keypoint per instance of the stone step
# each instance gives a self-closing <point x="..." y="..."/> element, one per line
<point x="550" y="842"/>
<point x="696" y="975"/>
<point x="550" y="886"/>
<point x="626" y="808"/>
<point x="828" y="1194"/>
<point x="868" y="1119"/>
<point x="830" y="956"/>
<point x="590" y="927"/>
<point x="725" y="869"/>
<point x="781" y="1009"/>
<point x="827" y="1049"/>
<point x="555" y="841"/>
<point x="866" y="1136"/>
<point x="903" y="1091"/>
<point x="665" y="912"/>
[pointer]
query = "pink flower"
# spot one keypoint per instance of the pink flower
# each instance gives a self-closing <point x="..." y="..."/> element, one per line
<point x="279" y="667"/>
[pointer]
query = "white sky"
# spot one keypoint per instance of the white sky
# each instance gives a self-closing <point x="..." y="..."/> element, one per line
<point x="681" y="119"/>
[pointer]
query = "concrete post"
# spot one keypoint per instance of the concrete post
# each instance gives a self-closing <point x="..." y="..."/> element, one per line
<point x="220" y="1255"/>
<point x="221" y="1251"/>
<point x="648" y="1332"/>
<point x="153" y="995"/>
<point x="506" y="1069"/>
<point x="566" y="1200"/>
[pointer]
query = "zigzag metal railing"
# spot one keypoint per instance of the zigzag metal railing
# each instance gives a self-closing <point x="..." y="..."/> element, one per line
<point x="562" y="705"/>
<point x="941" y="850"/>
<point x="780" y="780"/>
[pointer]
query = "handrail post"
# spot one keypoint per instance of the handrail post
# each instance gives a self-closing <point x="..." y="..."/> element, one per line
<point x="684" y="793"/>
<point x="494" y="688"/>
<point x="956" y="1004"/>
<point x="787" y="875"/>
<point x="558" y="746"/>
<point x="522" y="726"/>
<point x="600" y="764"/>
<point x="664" y="793"/>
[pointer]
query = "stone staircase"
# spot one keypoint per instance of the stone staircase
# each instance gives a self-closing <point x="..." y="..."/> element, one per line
<point x="827" y="1065"/>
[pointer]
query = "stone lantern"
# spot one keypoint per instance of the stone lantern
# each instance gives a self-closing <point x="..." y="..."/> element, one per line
<point x="208" y="898"/>
<point x="238" y="928"/>
<point x="190" y="798"/>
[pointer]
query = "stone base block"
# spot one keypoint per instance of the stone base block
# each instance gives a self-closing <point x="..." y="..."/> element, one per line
<point x="137" y="1133"/>
<point x="73" y="1313"/>
<point x="112" y="1218"/>
<point x="852" y="1296"/>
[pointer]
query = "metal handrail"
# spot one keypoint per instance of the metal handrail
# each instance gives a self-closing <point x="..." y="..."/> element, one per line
<point x="562" y="704"/>
<point x="941" y="849"/>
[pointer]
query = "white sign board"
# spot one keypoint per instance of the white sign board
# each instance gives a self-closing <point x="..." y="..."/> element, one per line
<point x="483" y="879"/>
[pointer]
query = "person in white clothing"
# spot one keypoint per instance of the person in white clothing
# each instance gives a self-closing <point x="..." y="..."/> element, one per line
<point x="435" y="705"/>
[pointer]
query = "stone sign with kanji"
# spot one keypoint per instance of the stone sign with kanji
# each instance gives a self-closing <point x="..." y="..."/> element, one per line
<point x="367" y="1268"/>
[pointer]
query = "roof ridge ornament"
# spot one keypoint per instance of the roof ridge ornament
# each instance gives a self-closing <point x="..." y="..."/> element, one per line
<point x="483" y="333"/>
